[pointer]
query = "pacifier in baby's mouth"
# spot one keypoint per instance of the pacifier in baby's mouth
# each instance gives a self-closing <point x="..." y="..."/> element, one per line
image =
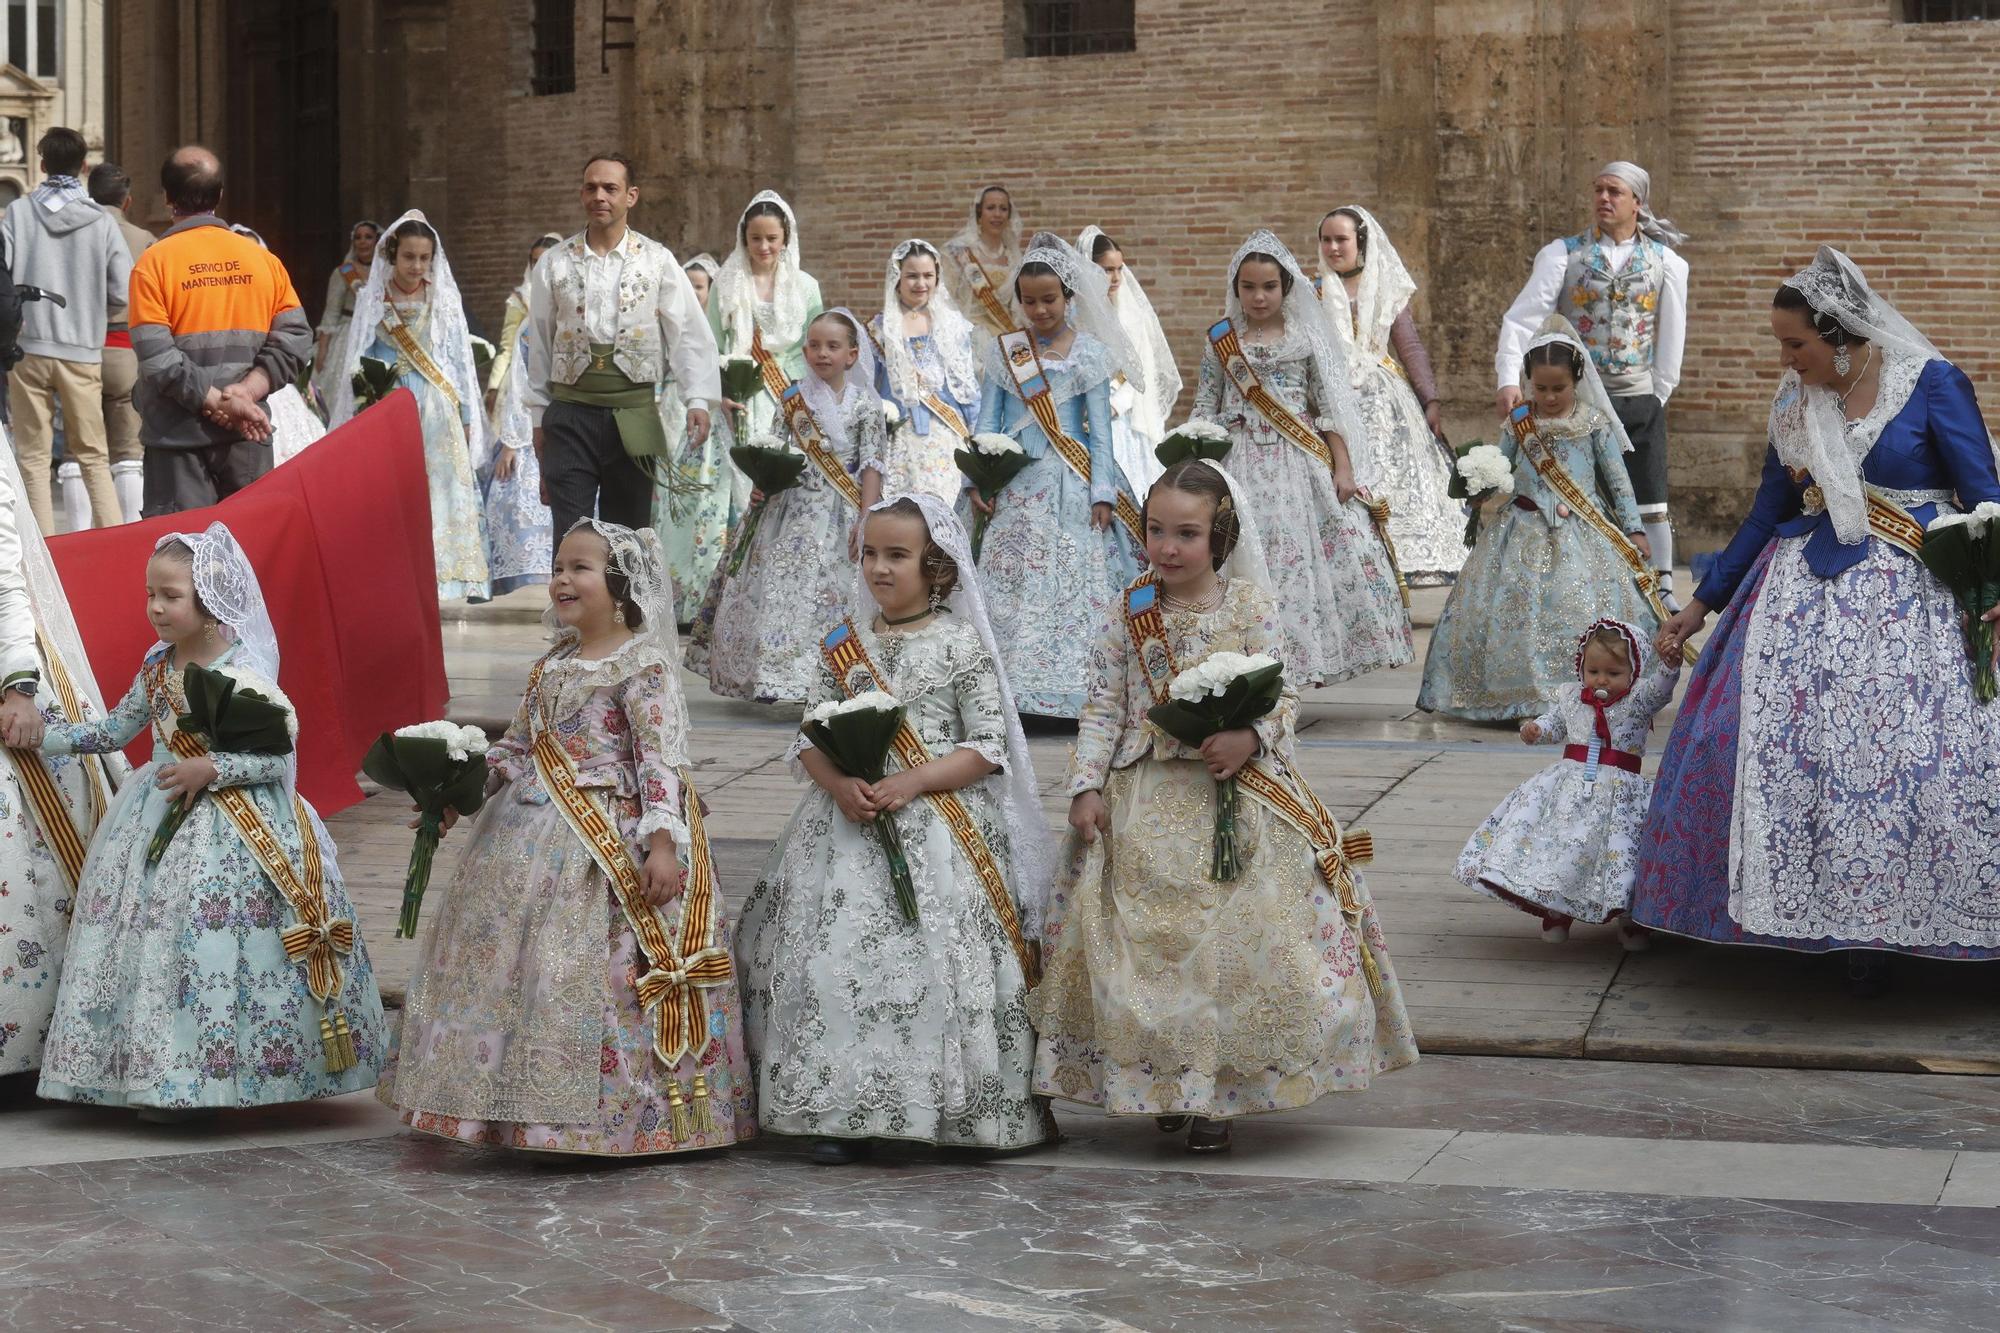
<point x="1601" y="694"/>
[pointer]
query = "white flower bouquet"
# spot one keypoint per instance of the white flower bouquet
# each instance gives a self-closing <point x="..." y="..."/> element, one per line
<point x="1480" y="470"/>
<point x="1963" y="550"/>
<point x="1223" y="692"/>
<point x="229" y="711"/>
<point x="989" y="460"/>
<point x="1193" y="438"/>
<point x="772" y="466"/>
<point x="857" y="735"/>
<point x="441" y="766"/>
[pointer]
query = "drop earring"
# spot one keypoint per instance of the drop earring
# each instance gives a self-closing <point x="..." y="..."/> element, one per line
<point x="208" y="632"/>
<point x="1843" y="361"/>
<point x="937" y="599"/>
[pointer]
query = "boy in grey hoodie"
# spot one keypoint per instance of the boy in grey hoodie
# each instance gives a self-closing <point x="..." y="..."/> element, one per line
<point x="57" y="239"/>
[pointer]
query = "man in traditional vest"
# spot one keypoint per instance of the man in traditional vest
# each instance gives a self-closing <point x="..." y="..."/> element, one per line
<point x="610" y="316"/>
<point x="1625" y="290"/>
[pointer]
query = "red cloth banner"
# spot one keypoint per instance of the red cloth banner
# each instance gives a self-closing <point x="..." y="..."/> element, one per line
<point x="340" y="537"/>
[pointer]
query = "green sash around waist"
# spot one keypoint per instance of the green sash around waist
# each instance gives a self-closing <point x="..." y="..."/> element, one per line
<point x="632" y="405"/>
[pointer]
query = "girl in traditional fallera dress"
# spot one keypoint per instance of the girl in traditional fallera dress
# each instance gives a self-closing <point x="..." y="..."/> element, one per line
<point x="862" y="1024"/>
<point x="1342" y="611"/>
<point x="927" y="353"/>
<point x="757" y="634"/>
<point x="763" y="290"/>
<point x="1506" y="639"/>
<point x="1829" y="781"/>
<point x="1563" y="846"/>
<point x="518" y="541"/>
<point x="979" y="258"/>
<point x="1366" y="292"/>
<point x="573" y="993"/>
<point x="181" y="989"/>
<point x="343" y="285"/>
<point x="692" y="511"/>
<point x="1138" y="420"/>
<point x="1168" y="993"/>
<point x="1056" y="553"/>
<point x="410" y="317"/>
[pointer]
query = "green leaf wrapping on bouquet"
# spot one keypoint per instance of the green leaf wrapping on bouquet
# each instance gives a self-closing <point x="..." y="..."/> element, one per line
<point x="374" y="381"/>
<point x="1966" y="559"/>
<point x="740" y="380"/>
<point x="230" y="719"/>
<point x="1179" y="448"/>
<point x="483" y="356"/>
<point x="770" y="471"/>
<point x="1246" y="699"/>
<point x="422" y="767"/>
<point x="859" y="745"/>
<point x="989" y="475"/>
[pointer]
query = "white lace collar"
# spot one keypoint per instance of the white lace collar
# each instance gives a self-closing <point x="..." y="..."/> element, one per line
<point x="1893" y="388"/>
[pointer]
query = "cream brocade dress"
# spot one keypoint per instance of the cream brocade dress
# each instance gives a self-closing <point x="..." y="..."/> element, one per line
<point x="1164" y="992"/>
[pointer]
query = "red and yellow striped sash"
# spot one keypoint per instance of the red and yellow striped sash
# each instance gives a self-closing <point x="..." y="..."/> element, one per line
<point x="804" y="425"/>
<point x="416" y="354"/>
<point x="1017" y="349"/>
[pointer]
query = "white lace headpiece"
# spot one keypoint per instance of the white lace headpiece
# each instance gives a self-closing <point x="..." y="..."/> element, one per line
<point x="706" y="262"/>
<point x="1362" y="323"/>
<point x="830" y="410"/>
<point x="736" y="287"/>
<point x="1027" y="827"/>
<point x="1306" y="318"/>
<point x="1156" y="367"/>
<point x="1010" y="239"/>
<point x="546" y="241"/>
<point x="1808" y="425"/>
<point x="448" y="335"/>
<point x="639" y="557"/>
<point x="951" y="332"/>
<point x="1590" y="388"/>
<point x="1090" y="309"/>
<point x="1641" y="181"/>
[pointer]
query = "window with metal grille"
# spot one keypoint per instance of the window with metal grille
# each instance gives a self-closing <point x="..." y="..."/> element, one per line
<point x="1076" y="27"/>
<point x="555" y="48"/>
<point x="1950" y="11"/>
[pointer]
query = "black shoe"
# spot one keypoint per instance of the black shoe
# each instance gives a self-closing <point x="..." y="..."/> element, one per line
<point x="1867" y="974"/>
<point x="838" y="1152"/>
<point x="1173" y="1124"/>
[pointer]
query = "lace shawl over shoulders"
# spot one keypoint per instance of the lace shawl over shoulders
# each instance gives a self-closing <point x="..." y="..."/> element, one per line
<point x="1087" y="366"/>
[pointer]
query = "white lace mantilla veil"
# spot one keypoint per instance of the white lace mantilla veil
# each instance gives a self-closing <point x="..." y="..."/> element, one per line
<point x="1306" y="317"/>
<point x="548" y="240"/>
<point x="1589" y="390"/>
<point x="449" y="336"/>
<point x="736" y="288"/>
<point x="951" y="332"/>
<point x="830" y="411"/>
<point x="1362" y="323"/>
<point x="1090" y="308"/>
<point x="1028" y="833"/>
<point x="1149" y="342"/>
<point x="970" y="236"/>
<point x="1808" y="427"/>
<point x="707" y="263"/>
<point x="639" y="557"/>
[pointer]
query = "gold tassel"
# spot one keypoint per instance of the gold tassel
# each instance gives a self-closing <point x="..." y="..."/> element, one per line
<point x="337" y="1040"/>
<point x="1368" y="967"/>
<point x="679" y="1123"/>
<point x="704" y="1110"/>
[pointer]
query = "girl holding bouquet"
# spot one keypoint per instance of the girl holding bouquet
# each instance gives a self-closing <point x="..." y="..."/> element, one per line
<point x="1054" y="553"/>
<point x="179" y="992"/>
<point x="1506" y="640"/>
<point x="573" y="993"/>
<point x="1829" y="781"/>
<point x="1138" y="420"/>
<point x="1343" y="612"/>
<point x="862" y="1023"/>
<point x="757" y="634"/>
<point x="764" y="293"/>
<point x="692" y="511"/>
<point x="1167" y="992"/>
<point x="1563" y="846"/>
<point x="928" y="368"/>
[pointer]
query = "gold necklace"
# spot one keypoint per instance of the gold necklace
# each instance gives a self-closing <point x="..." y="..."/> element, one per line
<point x="1202" y="605"/>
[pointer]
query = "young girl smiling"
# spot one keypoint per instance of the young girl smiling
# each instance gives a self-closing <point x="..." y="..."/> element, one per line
<point x="863" y="1024"/>
<point x="1055" y="554"/>
<point x="1168" y="993"/>
<point x="572" y="993"/>
<point x="757" y="635"/>
<point x="178" y="992"/>
<point x="763" y="292"/>
<point x="928" y="368"/>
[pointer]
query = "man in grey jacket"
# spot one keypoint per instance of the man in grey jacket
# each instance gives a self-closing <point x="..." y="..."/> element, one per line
<point x="111" y="187"/>
<point x="57" y="239"/>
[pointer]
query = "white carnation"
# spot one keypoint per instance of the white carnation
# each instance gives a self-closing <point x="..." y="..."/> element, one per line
<point x="1943" y="521"/>
<point x="251" y="682"/>
<point x="1195" y="429"/>
<point x="891" y="414"/>
<point x="1986" y="511"/>
<point x="869" y="701"/>
<point x="1485" y="468"/>
<point x="991" y="442"/>
<point x="460" y="743"/>
<point x="1214" y="674"/>
<point x="770" y="442"/>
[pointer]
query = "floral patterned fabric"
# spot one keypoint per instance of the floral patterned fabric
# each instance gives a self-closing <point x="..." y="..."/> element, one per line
<point x="788" y="345"/>
<point x="691" y="512"/>
<point x="1560" y="842"/>
<point x="1614" y="313"/>
<point x="1343" y="614"/>
<point x="860" y="1024"/>
<point x="757" y="633"/>
<point x="1506" y="640"/>
<point x="176" y="991"/>
<point x="523" y="1028"/>
<point x="1167" y="993"/>
<point x="1403" y="464"/>
<point x="1049" y="576"/>
<point x="921" y="456"/>
<point x="458" y="522"/>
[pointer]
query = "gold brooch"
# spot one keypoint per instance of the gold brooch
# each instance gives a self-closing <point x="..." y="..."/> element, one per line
<point x="1815" y="500"/>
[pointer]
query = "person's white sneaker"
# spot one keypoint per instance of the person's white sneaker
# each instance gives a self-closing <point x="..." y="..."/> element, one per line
<point x="1555" y="932"/>
<point x="1634" y="938"/>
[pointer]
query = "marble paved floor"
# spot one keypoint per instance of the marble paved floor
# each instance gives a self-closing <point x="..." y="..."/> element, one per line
<point x="1467" y="1193"/>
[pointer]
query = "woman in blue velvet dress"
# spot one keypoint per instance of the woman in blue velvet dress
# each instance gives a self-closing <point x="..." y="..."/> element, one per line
<point x="1830" y="781"/>
<point x="1055" y="558"/>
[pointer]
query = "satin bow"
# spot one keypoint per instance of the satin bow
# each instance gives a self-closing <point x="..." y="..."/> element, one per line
<point x="320" y="944"/>
<point x="683" y="1020"/>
